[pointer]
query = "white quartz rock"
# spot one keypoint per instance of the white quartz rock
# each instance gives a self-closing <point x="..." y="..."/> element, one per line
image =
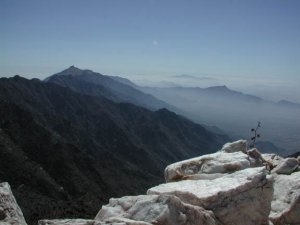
<point x="216" y="163"/>
<point x="273" y="158"/>
<point x="237" y="146"/>
<point x="243" y="197"/>
<point x="155" y="209"/>
<point x="10" y="212"/>
<point x="286" y="166"/>
<point x="286" y="200"/>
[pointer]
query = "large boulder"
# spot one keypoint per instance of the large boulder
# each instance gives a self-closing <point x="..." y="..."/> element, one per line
<point x="243" y="197"/>
<point x="155" y="209"/>
<point x="286" y="200"/>
<point x="10" y="212"/>
<point x="286" y="166"/>
<point x="236" y="146"/>
<point x="207" y="166"/>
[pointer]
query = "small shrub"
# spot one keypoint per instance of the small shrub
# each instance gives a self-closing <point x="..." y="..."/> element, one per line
<point x="255" y="135"/>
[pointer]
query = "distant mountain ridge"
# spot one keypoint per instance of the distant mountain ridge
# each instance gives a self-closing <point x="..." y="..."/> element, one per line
<point x="236" y="112"/>
<point x="202" y="105"/>
<point x="114" y="88"/>
<point x="219" y="90"/>
<point x="286" y="103"/>
<point x="65" y="153"/>
<point x="197" y="92"/>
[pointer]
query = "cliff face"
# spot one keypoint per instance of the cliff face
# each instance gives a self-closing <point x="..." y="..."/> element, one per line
<point x="250" y="189"/>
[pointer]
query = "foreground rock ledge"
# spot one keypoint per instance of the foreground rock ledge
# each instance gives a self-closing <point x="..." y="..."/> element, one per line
<point x="286" y="200"/>
<point x="240" y="198"/>
<point x="225" y="188"/>
<point x="155" y="209"/>
<point x="207" y="166"/>
<point x="10" y="212"/>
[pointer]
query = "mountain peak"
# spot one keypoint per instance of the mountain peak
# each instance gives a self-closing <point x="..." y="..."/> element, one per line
<point x="222" y="87"/>
<point x="72" y="70"/>
<point x="219" y="88"/>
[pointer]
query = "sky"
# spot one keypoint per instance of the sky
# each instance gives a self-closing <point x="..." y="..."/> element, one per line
<point x="254" y="41"/>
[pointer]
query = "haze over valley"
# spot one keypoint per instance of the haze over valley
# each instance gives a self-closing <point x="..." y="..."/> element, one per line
<point x="236" y="113"/>
<point x="232" y="111"/>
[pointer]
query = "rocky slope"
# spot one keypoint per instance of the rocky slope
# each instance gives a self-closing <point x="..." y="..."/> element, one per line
<point x="65" y="153"/>
<point x="249" y="190"/>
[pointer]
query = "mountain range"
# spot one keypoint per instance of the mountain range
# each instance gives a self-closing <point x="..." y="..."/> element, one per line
<point x="236" y="113"/>
<point x="114" y="88"/>
<point x="69" y="143"/>
<point x="72" y="141"/>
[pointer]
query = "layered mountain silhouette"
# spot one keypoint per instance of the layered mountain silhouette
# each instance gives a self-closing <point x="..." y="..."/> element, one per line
<point x="112" y="87"/>
<point x="196" y="93"/>
<point x="72" y="142"/>
<point x="285" y="103"/>
<point x="236" y="113"/>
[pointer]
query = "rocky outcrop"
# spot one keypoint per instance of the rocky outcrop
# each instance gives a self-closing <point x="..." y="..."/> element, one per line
<point x="225" y="188"/>
<point x="286" y="200"/>
<point x="237" y="146"/>
<point x="286" y="166"/>
<point x="273" y="158"/>
<point x="207" y="166"/>
<point x="155" y="209"/>
<point x="240" y="198"/>
<point x="10" y="212"/>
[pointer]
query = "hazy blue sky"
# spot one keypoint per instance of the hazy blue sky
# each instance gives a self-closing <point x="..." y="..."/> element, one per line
<point x="226" y="38"/>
